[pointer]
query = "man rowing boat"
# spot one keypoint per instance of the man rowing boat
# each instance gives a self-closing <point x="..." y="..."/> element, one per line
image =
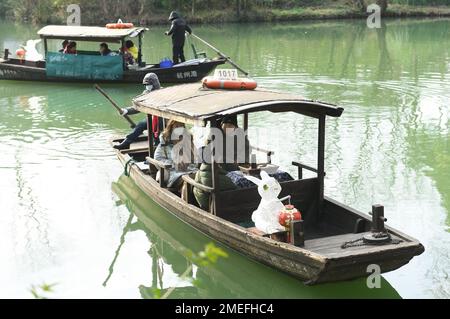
<point x="178" y="31"/>
<point x="151" y="83"/>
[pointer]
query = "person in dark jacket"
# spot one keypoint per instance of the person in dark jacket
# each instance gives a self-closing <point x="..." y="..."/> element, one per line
<point x="64" y="44"/>
<point x="71" y="48"/>
<point x="104" y="49"/>
<point x="177" y="31"/>
<point x="204" y="177"/>
<point x="151" y="83"/>
<point x="240" y="152"/>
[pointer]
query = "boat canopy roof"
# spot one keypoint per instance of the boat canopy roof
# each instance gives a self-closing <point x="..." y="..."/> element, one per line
<point x="88" y="33"/>
<point x="191" y="103"/>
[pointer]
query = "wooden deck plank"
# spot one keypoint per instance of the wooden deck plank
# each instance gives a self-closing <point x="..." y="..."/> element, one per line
<point x="139" y="145"/>
<point x="331" y="246"/>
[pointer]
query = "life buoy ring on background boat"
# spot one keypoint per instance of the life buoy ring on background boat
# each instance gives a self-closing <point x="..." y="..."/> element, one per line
<point x="120" y="25"/>
<point x="238" y="84"/>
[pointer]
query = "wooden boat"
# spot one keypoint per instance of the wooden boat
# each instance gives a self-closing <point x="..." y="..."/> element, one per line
<point x="330" y="247"/>
<point x="232" y="277"/>
<point x="89" y="66"/>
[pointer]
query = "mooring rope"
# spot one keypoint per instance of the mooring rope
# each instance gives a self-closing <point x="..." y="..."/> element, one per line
<point x="127" y="167"/>
<point x="360" y="241"/>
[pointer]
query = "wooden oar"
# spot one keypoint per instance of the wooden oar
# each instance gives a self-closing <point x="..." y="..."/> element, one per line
<point x="116" y="106"/>
<point x="221" y="54"/>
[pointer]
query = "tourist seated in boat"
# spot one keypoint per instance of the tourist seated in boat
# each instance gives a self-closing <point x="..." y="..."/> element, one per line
<point x="151" y="83"/>
<point x="64" y="45"/>
<point x="173" y="139"/>
<point x="130" y="53"/>
<point x="131" y="48"/>
<point x="241" y="154"/>
<point x="204" y="177"/>
<point x="104" y="49"/>
<point x="241" y="146"/>
<point x="71" y="48"/>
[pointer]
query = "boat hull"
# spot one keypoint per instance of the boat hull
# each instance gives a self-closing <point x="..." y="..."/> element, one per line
<point x="181" y="74"/>
<point x="304" y="264"/>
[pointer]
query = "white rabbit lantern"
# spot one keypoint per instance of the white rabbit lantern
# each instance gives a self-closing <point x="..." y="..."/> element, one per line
<point x="31" y="53"/>
<point x="265" y="216"/>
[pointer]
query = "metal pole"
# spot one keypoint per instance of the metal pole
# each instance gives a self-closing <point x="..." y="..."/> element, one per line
<point x="214" y="172"/>
<point x="140" y="50"/>
<point x="320" y="162"/>
<point x="45" y="48"/>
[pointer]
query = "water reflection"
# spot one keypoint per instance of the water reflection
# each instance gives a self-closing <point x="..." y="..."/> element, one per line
<point x="233" y="277"/>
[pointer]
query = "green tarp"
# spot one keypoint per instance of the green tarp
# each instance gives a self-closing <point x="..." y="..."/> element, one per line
<point x="80" y="66"/>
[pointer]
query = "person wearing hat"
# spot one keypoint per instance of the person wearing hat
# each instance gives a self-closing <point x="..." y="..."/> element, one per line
<point x="178" y="31"/>
<point x="151" y="83"/>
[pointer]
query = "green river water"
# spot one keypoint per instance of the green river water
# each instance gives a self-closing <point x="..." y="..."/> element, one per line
<point x="65" y="206"/>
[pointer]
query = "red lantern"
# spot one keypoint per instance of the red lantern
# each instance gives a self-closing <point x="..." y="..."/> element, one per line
<point x="288" y="214"/>
<point x="20" y="53"/>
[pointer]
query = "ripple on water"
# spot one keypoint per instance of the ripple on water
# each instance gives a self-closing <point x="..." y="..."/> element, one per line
<point x="58" y="143"/>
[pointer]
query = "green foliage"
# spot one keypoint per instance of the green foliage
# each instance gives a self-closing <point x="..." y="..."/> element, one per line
<point x="157" y="293"/>
<point x="41" y="291"/>
<point x="156" y="11"/>
<point x="422" y="2"/>
<point x="205" y="258"/>
<point x="150" y="11"/>
<point x="5" y="8"/>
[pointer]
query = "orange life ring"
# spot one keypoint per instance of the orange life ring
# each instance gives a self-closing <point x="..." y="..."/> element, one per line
<point x="120" y="25"/>
<point x="239" y="84"/>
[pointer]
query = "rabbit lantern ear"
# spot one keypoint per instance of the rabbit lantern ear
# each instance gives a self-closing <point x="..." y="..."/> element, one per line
<point x="264" y="175"/>
<point x="253" y="179"/>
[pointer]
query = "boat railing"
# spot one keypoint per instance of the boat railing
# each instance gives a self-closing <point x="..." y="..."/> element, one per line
<point x="162" y="167"/>
<point x="188" y="179"/>
<point x="187" y="190"/>
<point x="301" y="166"/>
<point x="267" y="152"/>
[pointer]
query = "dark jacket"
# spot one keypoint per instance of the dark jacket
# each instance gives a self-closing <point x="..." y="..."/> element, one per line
<point x="204" y="177"/>
<point x="178" y="29"/>
<point x="131" y="111"/>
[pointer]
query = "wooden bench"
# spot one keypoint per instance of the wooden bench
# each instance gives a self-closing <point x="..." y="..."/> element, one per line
<point x="162" y="167"/>
<point x="238" y="205"/>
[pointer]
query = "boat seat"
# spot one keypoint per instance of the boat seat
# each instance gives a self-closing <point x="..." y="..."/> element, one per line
<point x="187" y="191"/>
<point x="238" y="205"/>
<point x="278" y="236"/>
<point x="162" y="171"/>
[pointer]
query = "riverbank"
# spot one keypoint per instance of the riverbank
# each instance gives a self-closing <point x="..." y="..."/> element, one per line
<point x="394" y="10"/>
<point x="92" y="13"/>
<point x="300" y="13"/>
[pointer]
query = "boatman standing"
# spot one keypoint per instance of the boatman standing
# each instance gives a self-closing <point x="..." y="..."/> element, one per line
<point x="151" y="83"/>
<point x="178" y="31"/>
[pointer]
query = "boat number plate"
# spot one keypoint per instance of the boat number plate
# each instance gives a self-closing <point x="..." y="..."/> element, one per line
<point x="226" y="74"/>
